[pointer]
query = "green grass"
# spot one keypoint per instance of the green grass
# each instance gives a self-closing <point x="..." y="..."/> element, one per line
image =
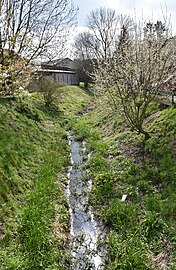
<point x="28" y="184"/>
<point x="35" y="229"/>
<point x="33" y="165"/>
<point x="34" y="151"/>
<point x="74" y="99"/>
<point x="142" y="229"/>
<point x="126" y="253"/>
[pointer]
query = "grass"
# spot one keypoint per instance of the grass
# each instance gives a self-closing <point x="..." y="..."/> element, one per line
<point x="34" y="216"/>
<point x="31" y="158"/>
<point x="74" y="99"/>
<point x="33" y="164"/>
<point x="142" y="229"/>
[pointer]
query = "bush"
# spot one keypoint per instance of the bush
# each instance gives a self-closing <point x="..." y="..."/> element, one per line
<point x="50" y="90"/>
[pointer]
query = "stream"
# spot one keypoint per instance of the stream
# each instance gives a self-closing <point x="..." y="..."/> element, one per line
<point x="84" y="230"/>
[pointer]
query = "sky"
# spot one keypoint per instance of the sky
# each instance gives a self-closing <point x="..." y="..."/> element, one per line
<point x="145" y="8"/>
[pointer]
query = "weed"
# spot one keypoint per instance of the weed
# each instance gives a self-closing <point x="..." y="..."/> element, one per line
<point x="98" y="164"/>
<point x="140" y="224"/>
<point x="126" y="253"/>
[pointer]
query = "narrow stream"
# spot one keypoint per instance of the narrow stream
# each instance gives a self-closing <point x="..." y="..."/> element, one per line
<point x="84" y="230"/>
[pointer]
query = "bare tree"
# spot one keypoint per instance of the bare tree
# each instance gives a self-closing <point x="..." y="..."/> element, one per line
<point x="85" y="69"/>
<point x="32" y="26"/>
<point x="133" y="76"/>
<point x="29" y="28"/>
<point x="85" y="61"/>
<point x="86" y="46"/>
<point x="104" y="27"/>
<point x="99" y="41"/>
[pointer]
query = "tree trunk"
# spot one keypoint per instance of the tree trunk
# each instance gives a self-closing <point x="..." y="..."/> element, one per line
<point x="146" y="134"/>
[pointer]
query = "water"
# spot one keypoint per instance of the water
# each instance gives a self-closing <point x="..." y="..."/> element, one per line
<point x="84" y="230"/>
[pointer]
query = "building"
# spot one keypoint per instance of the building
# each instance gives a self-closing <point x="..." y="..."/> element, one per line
<point x="62" y="70"/>
<point x="59" y="64"/>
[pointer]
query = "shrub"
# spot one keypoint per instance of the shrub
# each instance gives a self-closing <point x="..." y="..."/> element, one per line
<point x="50" y="89"/>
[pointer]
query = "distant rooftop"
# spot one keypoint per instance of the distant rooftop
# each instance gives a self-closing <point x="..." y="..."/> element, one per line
<point x="61" y="63"/>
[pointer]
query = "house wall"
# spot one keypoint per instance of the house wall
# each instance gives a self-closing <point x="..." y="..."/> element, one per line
<point x="65" y="77"/>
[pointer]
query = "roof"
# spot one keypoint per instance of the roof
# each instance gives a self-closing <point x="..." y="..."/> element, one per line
<point x="56" y="61"/>
<point x="62" y="63"/>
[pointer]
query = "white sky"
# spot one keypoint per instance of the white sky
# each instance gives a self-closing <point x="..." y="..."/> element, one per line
<point x="146" y="8"/>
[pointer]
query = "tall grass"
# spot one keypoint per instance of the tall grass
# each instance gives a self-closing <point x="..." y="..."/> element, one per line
<point x="36" y="226"/>
<point x="34" y="157"/>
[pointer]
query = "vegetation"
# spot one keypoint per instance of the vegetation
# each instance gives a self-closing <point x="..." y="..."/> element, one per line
<point x="30" y="29"/>
<point x="143" y="224"/>
<point x="133" y="191"/>
<point x="34" y="216"/>
<point x="50" y="90"/>
<point x="134" y="76"/>
<point x="100" y="40"/>
<point x="131" y="61"/>
<point x="34" y="161"/>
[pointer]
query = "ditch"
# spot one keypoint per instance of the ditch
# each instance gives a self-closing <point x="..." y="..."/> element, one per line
<point x="84" y="230"/>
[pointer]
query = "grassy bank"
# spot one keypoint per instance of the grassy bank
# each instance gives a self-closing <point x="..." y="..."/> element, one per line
<point x="142" y="231"/>
<point x="34" y="159"/>
<point x="33" y="164"/>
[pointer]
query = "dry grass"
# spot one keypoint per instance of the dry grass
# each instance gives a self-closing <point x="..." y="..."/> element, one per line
<point x="163" y="260"/>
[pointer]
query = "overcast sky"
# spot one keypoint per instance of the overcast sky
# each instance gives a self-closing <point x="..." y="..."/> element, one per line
<point x="149" y="8"/>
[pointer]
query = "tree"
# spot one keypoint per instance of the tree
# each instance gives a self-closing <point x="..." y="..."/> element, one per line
<point x="29" y="28"/>
<point x="85" y="46"/>
<point x="135" y="73"/>
<point x="100" y="39"/>
<point x="84" y="68"/>
<point x="103" y="24"/>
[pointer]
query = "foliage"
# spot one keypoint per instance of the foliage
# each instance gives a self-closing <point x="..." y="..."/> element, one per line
<point x="30" y="29"/>
<point x="14" y="76"/>
<point x="127" y="253"/>
<point x="141" y="230"/>
<point x="135" y="73"/>
<point x="142" y="226"/>
<point x="50" y="90"/>
<point x="74" y="100"/>
<point x="35" y="237"/>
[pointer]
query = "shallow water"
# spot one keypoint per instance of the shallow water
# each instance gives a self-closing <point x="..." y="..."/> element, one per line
<point x="84" y="230"/>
